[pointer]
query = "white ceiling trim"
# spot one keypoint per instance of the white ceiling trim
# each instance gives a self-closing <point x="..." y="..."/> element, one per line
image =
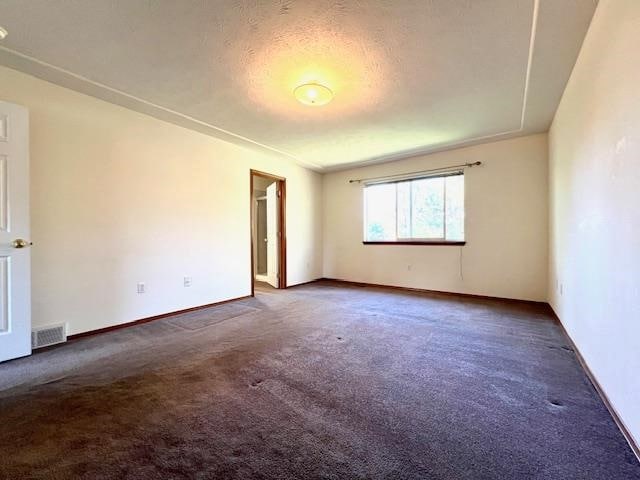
<point x="532" y="44"/>
<point x="73" y="81"/>
<point x="417" y="152"/>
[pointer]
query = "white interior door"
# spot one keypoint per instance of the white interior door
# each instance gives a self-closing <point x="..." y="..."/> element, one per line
<point x="15" y="258"/>
<point x="273" y="249"/>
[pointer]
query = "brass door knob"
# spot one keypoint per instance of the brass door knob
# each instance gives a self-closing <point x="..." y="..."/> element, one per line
<point x="21" y="243"/>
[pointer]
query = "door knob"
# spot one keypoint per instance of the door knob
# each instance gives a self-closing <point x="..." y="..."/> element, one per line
<point x="21" y="243"/>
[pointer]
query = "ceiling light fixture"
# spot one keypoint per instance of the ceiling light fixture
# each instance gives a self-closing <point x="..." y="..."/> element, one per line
<point x="3" y="33"/>
<point x="313" y="94"/>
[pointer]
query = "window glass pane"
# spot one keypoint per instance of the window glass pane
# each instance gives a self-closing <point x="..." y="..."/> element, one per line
<point x="427" y="208"/>
<point x="404" y="210"/>
<point x="455" y="207"/>
<point x="380" y="212"/>
<point x="424" y="209"/>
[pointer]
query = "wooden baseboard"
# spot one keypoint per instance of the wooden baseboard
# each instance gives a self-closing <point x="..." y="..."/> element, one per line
<point x="151" y="319"/>
<point x="424" y="290"/>
<point x="169" y="314"/>
<point x="305" y="283"/>
<point x="599" y="390"/>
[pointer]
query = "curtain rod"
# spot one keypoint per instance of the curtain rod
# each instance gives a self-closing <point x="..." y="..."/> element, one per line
<point x="408" y="174"/>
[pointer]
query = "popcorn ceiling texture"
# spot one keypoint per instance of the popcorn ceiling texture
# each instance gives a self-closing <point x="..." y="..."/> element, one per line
<point x="407" y="74"/>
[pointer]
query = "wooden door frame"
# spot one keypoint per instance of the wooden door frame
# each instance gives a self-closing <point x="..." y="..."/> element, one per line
<point x="282" y="223"/>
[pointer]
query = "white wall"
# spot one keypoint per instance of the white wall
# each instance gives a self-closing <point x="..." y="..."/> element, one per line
<point x="119" y="198"/>
<point x="506" y="226"/>
<point x="595" y="205"/>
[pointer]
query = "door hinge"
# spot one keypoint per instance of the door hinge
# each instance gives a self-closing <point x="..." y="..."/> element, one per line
<point x="279" y="193"/>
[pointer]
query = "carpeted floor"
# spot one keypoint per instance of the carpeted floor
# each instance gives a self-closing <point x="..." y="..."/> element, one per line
<point x="322" y="381"/>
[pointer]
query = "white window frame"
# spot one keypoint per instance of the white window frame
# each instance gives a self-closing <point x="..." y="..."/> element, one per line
<point x="417" y="240"/>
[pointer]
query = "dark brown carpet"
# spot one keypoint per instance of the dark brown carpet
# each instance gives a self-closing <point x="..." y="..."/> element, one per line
<point x="210" y="316"/>
<point x="320" y="382"/>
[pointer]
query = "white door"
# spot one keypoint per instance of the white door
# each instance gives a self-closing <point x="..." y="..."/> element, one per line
<point x="273" y="249"/>
<point x="15" y="258"/>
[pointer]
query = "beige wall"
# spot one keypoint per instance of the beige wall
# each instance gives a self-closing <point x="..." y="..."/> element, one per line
<point x="595" y="205"/>
<point x="119" y="198"/>
<point x="506" y="226"/>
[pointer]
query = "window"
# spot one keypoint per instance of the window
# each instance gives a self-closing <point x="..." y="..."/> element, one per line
<point x="418" y="210"/>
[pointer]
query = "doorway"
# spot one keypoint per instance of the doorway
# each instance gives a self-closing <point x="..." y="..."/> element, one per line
<point x="268" y="239"/>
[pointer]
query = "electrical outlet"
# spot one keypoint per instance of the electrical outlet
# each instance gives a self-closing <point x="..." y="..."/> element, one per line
<point x="561" y="288"/>
<point x="187" y="281"/>
<point x="141" y="287"/>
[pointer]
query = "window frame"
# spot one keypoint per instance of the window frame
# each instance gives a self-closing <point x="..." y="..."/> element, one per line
<point x="414" y="240"/>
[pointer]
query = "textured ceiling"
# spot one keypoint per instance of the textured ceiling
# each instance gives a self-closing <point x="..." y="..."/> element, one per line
<point x="409" y="76"/>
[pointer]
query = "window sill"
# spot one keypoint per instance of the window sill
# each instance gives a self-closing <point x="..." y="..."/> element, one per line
<point x="418" y="242"/>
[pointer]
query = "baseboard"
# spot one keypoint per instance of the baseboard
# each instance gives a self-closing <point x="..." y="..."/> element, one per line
<point x="598" y="388"/>
<point x="360" y="284"/>
<point x="151" y="319"/>
<point x="305" y="283"/>
<point x="439" y="292"/>
<point x="165" y="315"/>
